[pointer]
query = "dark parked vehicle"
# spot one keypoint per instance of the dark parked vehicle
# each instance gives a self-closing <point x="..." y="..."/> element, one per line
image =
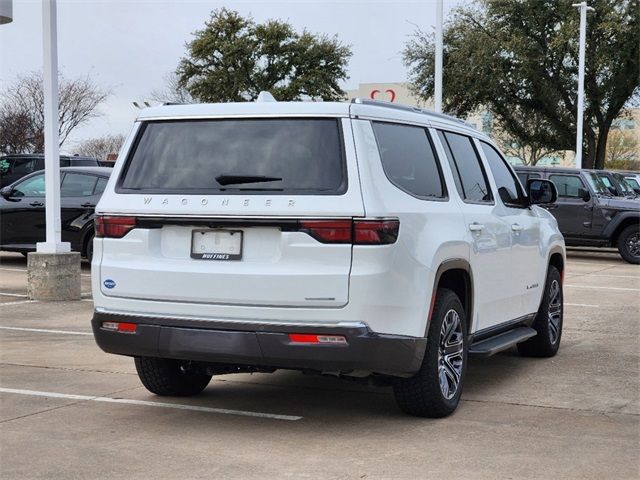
<point x="588" y="214"/>
<point x="22" y="214"/>
<point x="14" y="167"/>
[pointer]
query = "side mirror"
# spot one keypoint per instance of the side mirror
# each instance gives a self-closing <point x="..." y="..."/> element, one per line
<point x="584" y="194"/>
<point x="541" y="192"/>
<point x="6" y="192"/>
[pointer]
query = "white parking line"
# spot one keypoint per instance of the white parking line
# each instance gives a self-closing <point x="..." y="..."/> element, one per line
<point x="605" y="288"/>
<point x="42" y="330"/>
<point x="598" y="275"/>
<point x="581" y="305"/>
<point x="13" y="294"/>
<point x="19" y="302"/>
<point x="176" y="406"/>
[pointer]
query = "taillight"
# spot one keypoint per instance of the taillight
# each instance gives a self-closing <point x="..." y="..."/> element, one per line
<point x="356" y="232"/>
<point x="375" y="232"/>
<point x="328" y="231"/>
<point x="114" y="227"/>
<point x="120" y="327"/>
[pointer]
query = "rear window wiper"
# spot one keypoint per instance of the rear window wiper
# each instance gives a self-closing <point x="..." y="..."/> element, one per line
<point x="239" y="179"/>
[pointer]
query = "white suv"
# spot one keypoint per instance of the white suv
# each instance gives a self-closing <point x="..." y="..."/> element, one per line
<point x="358" y="239"/>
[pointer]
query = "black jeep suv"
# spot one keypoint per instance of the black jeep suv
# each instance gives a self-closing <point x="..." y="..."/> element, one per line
<point x="588" y="214"/>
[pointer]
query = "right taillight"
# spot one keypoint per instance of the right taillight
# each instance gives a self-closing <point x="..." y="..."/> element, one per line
<point x="114" y="227"/>
<point x="375" y="232"/>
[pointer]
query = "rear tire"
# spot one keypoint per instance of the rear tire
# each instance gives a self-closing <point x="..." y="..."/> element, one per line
<point x="435" y="390"/>
<point x="548" y="321"/>
<point x="164" y="376"/>
<point x="629" y="244"/>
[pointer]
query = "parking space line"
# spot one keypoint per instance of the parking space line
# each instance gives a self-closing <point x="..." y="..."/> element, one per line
<point x="144" y="403"/>
<point x="42" y="330"/>
<point x="598" y="275"/>
<point x="23" y="295"/>
<point x="605" y="288"/>
<point x="19" y="302"/>
<point x="581" y="305"/>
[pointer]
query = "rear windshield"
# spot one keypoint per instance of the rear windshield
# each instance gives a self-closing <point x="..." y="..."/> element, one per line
<point x="299" y="156"/>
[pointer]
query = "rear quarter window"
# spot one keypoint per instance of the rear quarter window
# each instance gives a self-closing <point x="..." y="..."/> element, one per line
<point x="304" y="156"/>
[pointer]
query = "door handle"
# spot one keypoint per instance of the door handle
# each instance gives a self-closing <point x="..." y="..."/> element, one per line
<point x="516" y="227"/>
<point x="476" y="227"/>
<point x="36" y="204"/>
<point x="88" y="205"/>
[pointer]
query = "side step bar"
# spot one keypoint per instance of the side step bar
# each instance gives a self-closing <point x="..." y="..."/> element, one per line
<point x="503" y="341"/>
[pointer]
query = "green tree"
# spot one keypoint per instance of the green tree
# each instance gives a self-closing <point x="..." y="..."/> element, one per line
<point x="519" y="59"/>
<point x="233" y="59"/>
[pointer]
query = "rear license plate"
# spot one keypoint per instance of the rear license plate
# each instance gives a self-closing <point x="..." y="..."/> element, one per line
<point x="216" y="244"/>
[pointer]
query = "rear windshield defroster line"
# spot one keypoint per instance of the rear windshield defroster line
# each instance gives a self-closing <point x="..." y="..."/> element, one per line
<point x="303" y="156"/>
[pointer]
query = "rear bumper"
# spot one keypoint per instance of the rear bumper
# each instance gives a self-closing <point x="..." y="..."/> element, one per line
<point x="265" y="345"/>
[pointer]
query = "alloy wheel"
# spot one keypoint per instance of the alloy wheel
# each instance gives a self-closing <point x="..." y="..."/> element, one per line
<point x="555" y="311"/>
<point x="633" y="244"/>
<point x="450" y="354"/>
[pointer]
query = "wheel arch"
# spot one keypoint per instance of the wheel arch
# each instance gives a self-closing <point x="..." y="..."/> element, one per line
<point x="625" y="221"/>
<point x="454" y="274"/>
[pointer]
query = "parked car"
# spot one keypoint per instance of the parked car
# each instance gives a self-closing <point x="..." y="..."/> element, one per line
<point x="356" y="239"/>
<point x="633" y="179"/>
<point x="22" y="212"/>
<point x="14" y="167"/>
<point x="587" y="212"/>
<point x="616" y="184"/>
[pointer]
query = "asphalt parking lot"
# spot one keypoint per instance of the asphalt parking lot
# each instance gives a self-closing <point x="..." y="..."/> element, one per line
<point x="68" y="410"/>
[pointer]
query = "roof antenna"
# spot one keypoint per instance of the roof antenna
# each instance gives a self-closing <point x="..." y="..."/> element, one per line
<point x="265" y="97"/>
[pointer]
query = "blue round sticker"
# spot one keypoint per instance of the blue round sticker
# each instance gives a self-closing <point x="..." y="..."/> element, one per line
<point x="109" y="283"/>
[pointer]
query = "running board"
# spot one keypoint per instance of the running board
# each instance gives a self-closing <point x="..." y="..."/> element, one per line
<point x="493" y="345"/>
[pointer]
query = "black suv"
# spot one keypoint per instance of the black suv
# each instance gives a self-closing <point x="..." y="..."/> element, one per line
<point x="588" y="214"/>
<point x="14" y="167"/>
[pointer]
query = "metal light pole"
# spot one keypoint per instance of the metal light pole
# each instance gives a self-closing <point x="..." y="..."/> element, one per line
<point x="437" y="96"/>
<point x="580" y="113"/>
<point x="53" y="243"/>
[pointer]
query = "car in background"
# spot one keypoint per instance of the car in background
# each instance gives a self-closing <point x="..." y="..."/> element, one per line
<point x="588" y="214"/>
<point x="616" y="184"/>
<point x="22" y="211"/>
<point x="633" y="179"/>
<point x="14" y="167"/>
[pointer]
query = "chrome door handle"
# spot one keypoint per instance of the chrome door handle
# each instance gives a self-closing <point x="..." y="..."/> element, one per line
<point x="516" y="227"/>
<point x="476" y="227"/>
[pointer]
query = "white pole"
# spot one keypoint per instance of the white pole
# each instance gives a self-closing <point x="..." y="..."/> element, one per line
<point x="581" y="54"/>
<point x="437" y="96"/>
<point x="53" y="243"/>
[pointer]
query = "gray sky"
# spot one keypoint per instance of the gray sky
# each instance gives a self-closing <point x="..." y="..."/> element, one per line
<point x="129" y="46"/>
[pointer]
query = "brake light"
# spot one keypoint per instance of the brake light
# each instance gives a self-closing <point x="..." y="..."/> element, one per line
<point x="328" y="231"/>
<point x="356" y="232"/>
<point x="314" y="339"/>
<point x="375" y="232"/>
<point x="114" y="227"/>
<point x="120" y="327"/>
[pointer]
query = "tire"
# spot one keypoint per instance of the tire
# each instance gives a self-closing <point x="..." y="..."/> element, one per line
<point x="429" y="392"/>
<point x="168" y="377"/>
<point x="548" y="321"/>
<point x="629" y="244"/>
<point x="89" y="248"/>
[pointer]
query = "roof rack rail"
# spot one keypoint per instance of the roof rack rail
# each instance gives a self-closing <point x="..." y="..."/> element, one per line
<point x="408" y="108"/>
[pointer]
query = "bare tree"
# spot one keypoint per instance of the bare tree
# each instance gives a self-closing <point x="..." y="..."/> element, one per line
<point x="622" y="145"/>
<point x="101" y="147"/>
<point x="172" y="91"/>
<point x="78" y="102"/>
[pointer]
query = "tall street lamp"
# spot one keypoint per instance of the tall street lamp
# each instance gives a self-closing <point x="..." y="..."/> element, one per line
<point x="437" y="93"/>
<point x="583" y="34"/>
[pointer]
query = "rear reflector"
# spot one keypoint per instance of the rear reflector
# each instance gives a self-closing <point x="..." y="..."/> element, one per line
<point x="120" y="327"/>
<point x="356" y="232"/>
<point x="311" y="338"/>
<point x="114" y="227"/>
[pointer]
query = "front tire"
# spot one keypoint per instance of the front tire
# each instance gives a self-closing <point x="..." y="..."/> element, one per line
<point x="164" y="376"/>
<point x="548" y="321"/>
<point x="435" y="390"/>
<point x="629" y="244"/>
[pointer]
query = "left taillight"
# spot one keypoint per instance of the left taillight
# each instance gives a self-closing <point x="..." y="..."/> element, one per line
<point x="114" y="227"/>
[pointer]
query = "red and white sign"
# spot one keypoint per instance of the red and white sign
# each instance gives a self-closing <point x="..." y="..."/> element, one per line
<point x="389" y="95"/>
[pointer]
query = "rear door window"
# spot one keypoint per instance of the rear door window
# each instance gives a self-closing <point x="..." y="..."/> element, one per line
<point x="468" y="172"/>
<point x="77" y="185"/>
<point x="408" y="159"/>
<point x="271" y="156"/>
<point x="100" y="185"/>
